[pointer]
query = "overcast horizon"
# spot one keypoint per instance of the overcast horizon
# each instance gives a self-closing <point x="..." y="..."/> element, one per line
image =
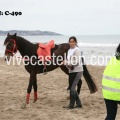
<point x="67" y="17"/>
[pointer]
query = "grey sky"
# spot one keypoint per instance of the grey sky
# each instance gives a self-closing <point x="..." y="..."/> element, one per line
<point x="68" y="17"/>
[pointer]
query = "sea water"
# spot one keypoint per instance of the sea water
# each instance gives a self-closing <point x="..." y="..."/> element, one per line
<point x="92" y="46"/>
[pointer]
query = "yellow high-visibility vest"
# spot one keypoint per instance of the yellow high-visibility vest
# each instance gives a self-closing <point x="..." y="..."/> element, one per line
<point x="111" y="80"/>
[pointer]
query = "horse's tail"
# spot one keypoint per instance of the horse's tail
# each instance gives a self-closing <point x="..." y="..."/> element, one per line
<point x="89" y="79"/>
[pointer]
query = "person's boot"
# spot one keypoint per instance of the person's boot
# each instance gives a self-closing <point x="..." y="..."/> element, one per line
<point x="78" y="102"/>
<point x="72" y="100"/>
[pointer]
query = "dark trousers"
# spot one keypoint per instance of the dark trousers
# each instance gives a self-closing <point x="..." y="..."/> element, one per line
<point x="111" y="107"/>
<point x="74" y="79"/>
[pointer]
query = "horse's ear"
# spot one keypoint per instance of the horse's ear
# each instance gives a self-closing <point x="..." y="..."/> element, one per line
<point x="15" y="34"/>
<point x="8" y="34"/>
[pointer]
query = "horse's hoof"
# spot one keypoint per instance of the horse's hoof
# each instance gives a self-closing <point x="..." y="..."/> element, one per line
<point x="34" y="101"/>
<point x="23" y="106"/>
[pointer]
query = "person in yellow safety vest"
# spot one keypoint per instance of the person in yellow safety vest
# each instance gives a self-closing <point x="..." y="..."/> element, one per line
<point x="111" y="85"/>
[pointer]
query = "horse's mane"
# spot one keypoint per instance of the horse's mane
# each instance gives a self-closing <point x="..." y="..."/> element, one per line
<point x="22" y="41"/>
<point x="27" y="47"/>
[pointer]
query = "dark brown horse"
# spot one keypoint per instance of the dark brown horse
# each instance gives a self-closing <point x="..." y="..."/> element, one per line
<point x="26" y="48"/>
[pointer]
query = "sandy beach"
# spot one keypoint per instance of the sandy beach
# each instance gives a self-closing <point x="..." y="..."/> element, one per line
<point x="51" y="96"/>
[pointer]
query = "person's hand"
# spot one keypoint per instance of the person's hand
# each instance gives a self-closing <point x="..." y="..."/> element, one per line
<point x="64" y="62"/>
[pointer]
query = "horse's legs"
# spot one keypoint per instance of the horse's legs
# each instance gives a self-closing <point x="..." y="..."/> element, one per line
<point x="31" y="81"/>
<point x="35" y="89"/>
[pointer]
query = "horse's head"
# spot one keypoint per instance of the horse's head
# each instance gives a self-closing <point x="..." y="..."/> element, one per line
<point x="11" y="47"/>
